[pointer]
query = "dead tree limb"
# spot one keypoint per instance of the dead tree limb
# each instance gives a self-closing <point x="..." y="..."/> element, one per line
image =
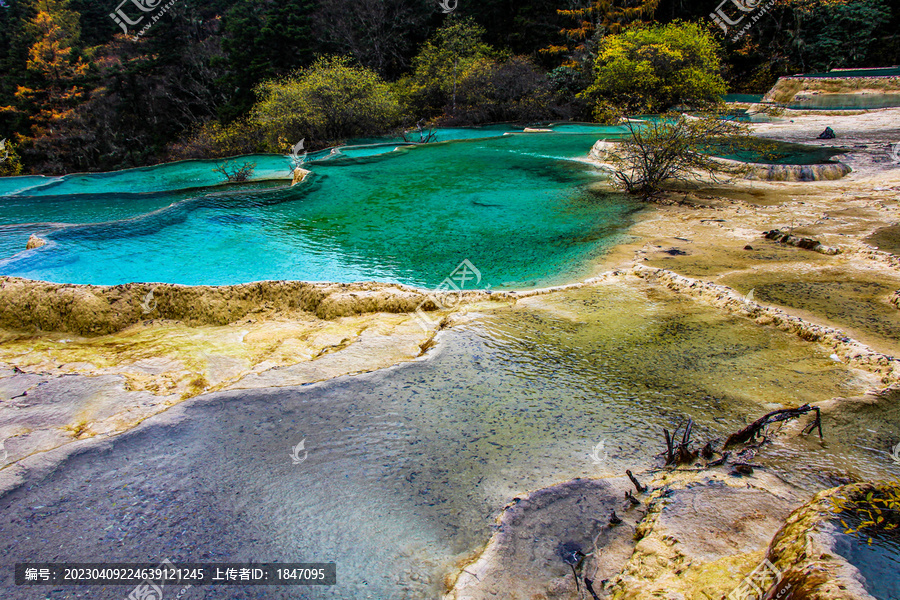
<point x="670" y="450"/>
<point x="683" y="454"/>
<point x="637" y="484"/>
<point x="680" y="454"/>
<point x="751" y="431"/>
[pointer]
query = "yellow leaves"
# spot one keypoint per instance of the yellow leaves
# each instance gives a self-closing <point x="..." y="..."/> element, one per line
<point x="876" y="509"/>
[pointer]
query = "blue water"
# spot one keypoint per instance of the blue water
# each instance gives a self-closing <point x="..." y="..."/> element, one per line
<point x="878" y="560"/>
<point x="520" y="206"/>
<point x="517" y="206"/>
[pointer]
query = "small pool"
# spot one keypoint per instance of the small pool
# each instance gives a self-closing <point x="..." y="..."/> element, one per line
<point x="845" y="101"/>
<point x="878" y="561"/>
<point x="769" y="152"/>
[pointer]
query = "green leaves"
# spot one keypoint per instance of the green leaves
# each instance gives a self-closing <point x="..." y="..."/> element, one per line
<point x="327" y="102"/>
<point x="654" y="68"/>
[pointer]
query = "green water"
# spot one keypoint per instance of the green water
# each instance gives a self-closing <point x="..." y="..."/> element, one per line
<point x="517" y="206"/>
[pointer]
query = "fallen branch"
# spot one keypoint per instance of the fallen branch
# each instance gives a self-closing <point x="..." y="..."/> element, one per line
<point x="751" y="431"/>
<point x="682" y="453"/>
<point x="589" y="584"/>
<point x="637" y="484"/>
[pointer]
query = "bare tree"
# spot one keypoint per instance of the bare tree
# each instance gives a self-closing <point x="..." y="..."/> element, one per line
<point x="376" y="32"/>
<point x="235" y="173"/>
<point x="675" y="147"/>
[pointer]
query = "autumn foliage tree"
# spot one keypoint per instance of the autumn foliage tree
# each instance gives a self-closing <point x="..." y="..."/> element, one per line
<point x="651" y="69"/>
<point x="592" y="19"/>
<point x="56" y="71"/>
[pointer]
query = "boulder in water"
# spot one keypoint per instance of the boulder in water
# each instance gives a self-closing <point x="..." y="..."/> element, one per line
<point x="299" y="175"/>
<point x="828" y="134"/>
<point x="35" y="242"/>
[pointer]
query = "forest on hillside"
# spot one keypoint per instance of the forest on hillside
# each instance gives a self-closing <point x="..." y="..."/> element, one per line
<point x="94" y="85"/>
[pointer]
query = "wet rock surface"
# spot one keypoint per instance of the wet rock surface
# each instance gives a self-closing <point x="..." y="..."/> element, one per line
<point x="541" y="536"/>
<point x="703" y="534"/>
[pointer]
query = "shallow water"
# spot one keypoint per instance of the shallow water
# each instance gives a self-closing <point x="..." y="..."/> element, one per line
<point x="878" y="560"/>
<point x="886" y="239"/>
<point x="851" y="301"/>
<point x="408" y="466"/>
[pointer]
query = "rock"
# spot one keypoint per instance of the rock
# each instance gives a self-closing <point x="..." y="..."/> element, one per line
<point x="35" y="242"/>
<point x="536" y="130"/>
<point x="601" y="149"/>
<point x="748" y="247"/>
<point x="828" y="134"/>
<point x="27" y="305"/>
<point x="702" y="535"/>
<point x="742" y="469"/>
<point x="538" y="538"/>
<point x="299" y="175"/>
<point x="805" y="243"/>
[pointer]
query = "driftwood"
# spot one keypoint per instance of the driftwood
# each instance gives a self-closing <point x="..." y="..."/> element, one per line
<point x="589" y="584"/>
<point x="682" y="453"/>
<point x="637" y="484"/>
<point x="751" y="431"/>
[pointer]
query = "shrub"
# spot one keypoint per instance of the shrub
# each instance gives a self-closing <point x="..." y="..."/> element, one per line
<point x="214" y="140"/>
<point x="651" y="69"/>
<point x="235" y="173"/>
<point x="513" y="90"/>
<point x="329" y="101"/>
<point x="10" y="163"/>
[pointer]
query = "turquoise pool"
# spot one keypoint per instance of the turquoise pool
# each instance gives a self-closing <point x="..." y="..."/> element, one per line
<point x="518" y="206"/>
